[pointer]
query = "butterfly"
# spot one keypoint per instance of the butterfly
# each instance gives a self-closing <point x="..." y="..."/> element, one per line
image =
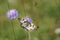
<point x="27" y="25"/>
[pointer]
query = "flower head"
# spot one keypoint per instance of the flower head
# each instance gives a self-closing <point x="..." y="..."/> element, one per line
<point x="12" y="14"/>
<point x="28" y="19"/>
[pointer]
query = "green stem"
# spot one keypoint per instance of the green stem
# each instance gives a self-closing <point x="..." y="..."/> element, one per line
<point x="24" y="7"/>
<point x="29" y="36"/>
<point x="13" y="30"/>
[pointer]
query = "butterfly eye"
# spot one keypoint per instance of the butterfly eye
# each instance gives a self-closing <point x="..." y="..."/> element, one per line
<point x="19" y="18"/>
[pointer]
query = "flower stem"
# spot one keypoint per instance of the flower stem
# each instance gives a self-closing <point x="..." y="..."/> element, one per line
<point x="13" y="30"/>
<point x="29" y="36"/>
<point x="24" y="7"/>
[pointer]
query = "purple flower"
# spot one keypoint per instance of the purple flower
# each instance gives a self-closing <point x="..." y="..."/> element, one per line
<point x="28" y="19"/>
<point x="12" y="14"/>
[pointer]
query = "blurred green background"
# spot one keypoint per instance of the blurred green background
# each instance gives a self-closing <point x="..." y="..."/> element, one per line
<point x="43" y="12"/>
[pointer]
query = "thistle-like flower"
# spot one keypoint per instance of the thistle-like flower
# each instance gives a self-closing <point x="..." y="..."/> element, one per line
<point x="12" y="14"/>
<point x="28" y="19"/>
